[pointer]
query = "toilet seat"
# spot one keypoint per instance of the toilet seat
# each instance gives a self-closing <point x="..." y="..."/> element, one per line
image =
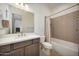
<point x="47" y="45"/>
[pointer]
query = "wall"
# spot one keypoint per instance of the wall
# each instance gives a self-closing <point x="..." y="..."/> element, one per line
<point x="64" y="27"/>
<point x="61" y="46"/>
<point x="3" y="8"/>
<point x="40" y="11"/>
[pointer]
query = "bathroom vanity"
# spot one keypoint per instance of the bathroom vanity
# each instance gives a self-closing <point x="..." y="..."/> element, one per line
<point x="20" y="46"/>
<point x="14" y="24"/>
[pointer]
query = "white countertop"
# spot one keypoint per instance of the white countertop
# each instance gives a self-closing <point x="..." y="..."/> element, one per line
<point x="14" y="39"/>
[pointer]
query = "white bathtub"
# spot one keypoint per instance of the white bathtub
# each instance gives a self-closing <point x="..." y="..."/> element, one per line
<point x="65" y="48"/>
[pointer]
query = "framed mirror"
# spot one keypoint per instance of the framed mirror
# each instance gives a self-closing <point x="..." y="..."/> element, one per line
<point x="22" y="21"/>
<point x="15" y="20"/>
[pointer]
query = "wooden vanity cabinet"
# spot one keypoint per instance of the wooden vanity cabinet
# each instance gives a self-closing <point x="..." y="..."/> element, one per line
<point x="36" y="46"/>
<point x="29" y="50"/>
<point x="32" y="50"/>
<point x="25" y="48"/>
<point x="36" y="49"/>
<point x="5" y="48"/>
<point x="22" y="44"/>
<point x="17" y="52"/>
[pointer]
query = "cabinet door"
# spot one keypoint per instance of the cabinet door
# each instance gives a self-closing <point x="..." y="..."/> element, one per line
<point x="32" y="50"/>
<point x="29" y="50"/>
<point x="5" y="48"/>
<point x="36" y="49"/>
<point x="17" y="52"/>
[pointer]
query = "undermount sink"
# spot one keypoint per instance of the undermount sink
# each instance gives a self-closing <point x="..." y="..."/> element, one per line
<point x="18" y="37"/>
<point x="24" y="36"/>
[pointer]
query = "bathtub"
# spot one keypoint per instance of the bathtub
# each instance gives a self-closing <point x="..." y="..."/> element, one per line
<point x="65" y="48"/>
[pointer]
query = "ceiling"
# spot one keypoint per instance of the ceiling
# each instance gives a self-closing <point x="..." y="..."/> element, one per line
<point x="51" y="6"/>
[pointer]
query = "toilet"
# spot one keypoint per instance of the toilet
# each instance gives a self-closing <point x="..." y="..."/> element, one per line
<point x="46" y="45"/>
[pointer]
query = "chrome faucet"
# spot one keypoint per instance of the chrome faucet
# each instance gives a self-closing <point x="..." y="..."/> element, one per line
<point x="21" y="33"/>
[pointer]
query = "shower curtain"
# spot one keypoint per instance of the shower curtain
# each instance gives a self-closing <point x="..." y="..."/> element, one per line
<point x="47" y="29"/>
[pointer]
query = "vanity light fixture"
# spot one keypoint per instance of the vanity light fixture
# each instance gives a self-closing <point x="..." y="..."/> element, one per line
<point x="23" y="6"/>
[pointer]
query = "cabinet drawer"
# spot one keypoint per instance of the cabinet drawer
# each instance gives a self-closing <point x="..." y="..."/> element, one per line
<point x="17" y="52"/>
<point x="4" y="48"/>
<point x="5" y="54"/>
<point x="22" y="44"/>
<point x="36" y="40"/>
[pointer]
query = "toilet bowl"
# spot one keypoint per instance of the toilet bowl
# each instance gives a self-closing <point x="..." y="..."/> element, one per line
<point x="46" y="45"/>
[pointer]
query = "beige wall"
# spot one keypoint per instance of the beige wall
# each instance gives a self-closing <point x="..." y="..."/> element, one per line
<point x="65" y="27"/>
<point x="40" y="11"/>
<point x="68" y="46"/>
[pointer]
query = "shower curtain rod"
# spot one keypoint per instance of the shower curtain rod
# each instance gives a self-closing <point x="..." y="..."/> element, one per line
<point x="62" y="10"/>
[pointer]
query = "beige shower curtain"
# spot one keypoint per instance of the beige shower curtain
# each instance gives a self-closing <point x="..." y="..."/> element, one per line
<point x="47" y="29"/>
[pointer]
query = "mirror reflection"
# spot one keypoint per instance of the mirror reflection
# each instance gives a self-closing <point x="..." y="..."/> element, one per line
<point x="15" y="20"/>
